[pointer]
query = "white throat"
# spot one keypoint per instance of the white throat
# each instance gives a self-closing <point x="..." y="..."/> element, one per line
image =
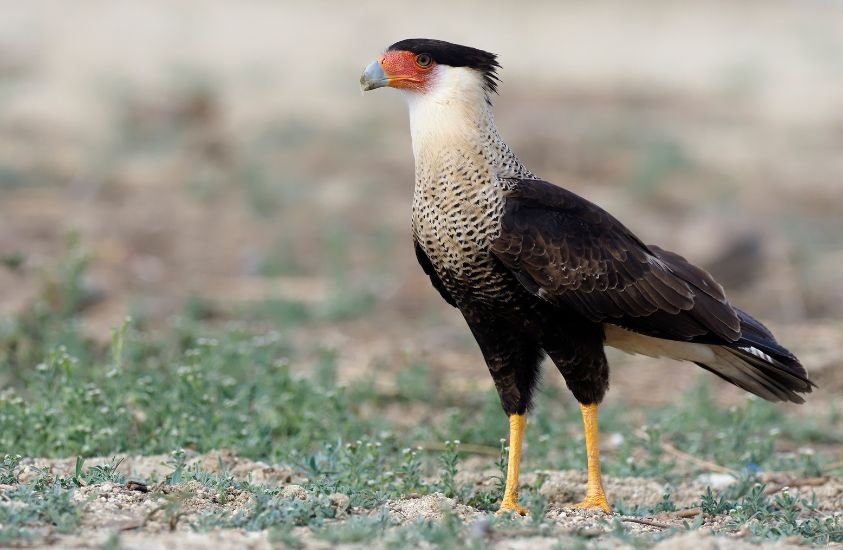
<point x="453" y="111"/>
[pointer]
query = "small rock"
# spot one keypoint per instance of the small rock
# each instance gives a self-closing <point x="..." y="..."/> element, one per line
<point x="716" y="481"/>
<point x="28" y="474"/>
<point x="294" y="491"/>
<point x="106" y="488"/>
<point x="137" y="486"/>
<point x="339" y="501"/>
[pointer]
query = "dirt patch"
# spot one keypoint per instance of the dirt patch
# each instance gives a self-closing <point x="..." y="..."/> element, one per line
<point x="429" y="507"/>
<point x="159" y="515"/>
<point x="156" y="467"/>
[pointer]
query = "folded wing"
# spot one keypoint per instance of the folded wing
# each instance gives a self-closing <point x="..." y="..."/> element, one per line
<point x="574" y="254"/>
<point x="578" y="257"/>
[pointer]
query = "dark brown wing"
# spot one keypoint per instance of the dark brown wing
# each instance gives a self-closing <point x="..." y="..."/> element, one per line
<point x="573" y="253"/>
<point x="427" y="266"/>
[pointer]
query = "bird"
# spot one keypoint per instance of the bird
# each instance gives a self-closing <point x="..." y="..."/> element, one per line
<point x="537" y="271"/>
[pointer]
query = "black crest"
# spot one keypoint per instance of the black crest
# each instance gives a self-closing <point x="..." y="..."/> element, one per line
<point x="446" y="53"/>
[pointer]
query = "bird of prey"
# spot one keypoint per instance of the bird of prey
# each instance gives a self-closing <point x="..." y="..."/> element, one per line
<point x="536" y="270"/>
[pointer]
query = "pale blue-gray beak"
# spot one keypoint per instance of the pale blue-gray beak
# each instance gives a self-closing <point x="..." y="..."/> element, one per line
<point x="373" y="77"/>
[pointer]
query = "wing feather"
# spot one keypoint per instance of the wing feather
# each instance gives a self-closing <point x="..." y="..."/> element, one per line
<point x="572" y="253"/>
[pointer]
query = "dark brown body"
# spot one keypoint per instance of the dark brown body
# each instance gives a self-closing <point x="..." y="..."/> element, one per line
<point x="516" y="331"/>
<point x="553" y="270"/>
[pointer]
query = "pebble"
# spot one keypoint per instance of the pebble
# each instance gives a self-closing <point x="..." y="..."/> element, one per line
<point x="715" y="480"/>
<point x="294" y="491"/>
<point x="339" y="501"/>
<point x="28" y="474"/>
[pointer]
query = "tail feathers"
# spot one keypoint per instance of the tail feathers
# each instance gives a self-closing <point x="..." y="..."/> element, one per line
<point x="754" y="362"/>
<point x="758" y="364"/>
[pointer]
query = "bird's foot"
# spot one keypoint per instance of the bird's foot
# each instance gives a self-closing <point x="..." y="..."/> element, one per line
<point x="511" y="506"/>
<point x="595" y="501"/>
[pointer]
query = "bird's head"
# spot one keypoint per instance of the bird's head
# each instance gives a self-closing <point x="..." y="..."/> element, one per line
<point x="423" y="65"/>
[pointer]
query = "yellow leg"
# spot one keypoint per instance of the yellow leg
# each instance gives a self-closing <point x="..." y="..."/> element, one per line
<point x="594" y="495"/>
<point x="510" y="493"/>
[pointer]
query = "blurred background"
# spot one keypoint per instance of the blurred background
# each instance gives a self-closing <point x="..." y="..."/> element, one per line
<point x="216" y="159"/>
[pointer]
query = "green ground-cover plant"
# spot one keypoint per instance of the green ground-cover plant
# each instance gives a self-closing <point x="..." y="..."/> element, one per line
<point x="208" y="385"/>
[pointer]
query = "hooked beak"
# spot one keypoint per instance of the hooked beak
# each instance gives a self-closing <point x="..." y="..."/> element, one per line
<point x="373" y="77"/>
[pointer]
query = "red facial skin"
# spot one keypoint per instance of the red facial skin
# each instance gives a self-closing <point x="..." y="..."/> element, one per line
<point x="403" y="70"/>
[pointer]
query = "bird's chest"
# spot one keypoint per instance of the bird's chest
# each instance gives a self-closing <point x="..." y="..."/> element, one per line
<point x="456" y="216"/>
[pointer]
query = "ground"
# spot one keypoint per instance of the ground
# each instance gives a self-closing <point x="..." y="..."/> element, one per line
<point x="143" y="514"/>
<point x="288" y="376"/>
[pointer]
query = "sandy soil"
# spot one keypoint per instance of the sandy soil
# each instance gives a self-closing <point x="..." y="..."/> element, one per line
<point x="138" y="512"/>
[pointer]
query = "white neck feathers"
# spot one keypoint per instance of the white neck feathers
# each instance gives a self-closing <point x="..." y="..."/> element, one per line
<point x="453" y="111"/>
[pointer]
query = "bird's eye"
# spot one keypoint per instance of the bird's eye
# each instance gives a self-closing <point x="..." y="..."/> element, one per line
<point x="423" y="60"/>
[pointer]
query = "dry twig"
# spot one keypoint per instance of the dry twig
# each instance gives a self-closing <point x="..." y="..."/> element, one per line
<point x="801" y="482"/>
<point x="643" y="521"/>
<point x="706" y="464"/>
<point x="689" y="513"/>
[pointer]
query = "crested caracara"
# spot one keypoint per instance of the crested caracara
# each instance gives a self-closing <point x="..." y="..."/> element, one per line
<point x="536" y="270"/>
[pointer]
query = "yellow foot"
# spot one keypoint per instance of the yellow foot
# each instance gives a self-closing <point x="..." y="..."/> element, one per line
<point x="595" y="501"/>
<point x="507" y="507"/>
